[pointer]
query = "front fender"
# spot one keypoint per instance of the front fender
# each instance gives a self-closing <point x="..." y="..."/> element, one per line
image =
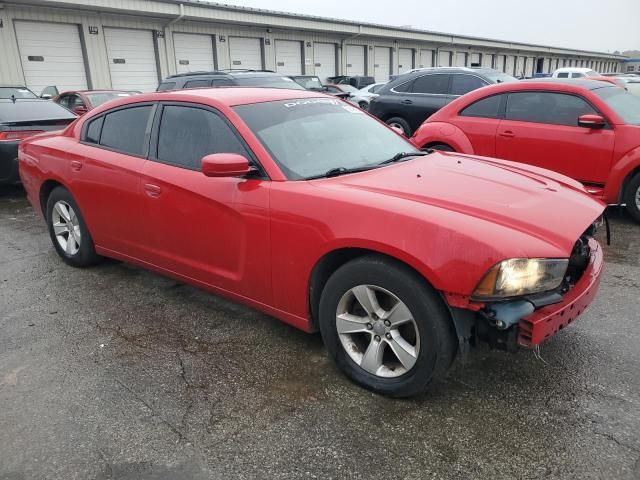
<point x="619" y="173"/>
<point x="442" y="132"/>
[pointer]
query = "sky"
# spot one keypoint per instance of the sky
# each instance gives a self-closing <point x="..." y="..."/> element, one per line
<point x="598" y="25"/>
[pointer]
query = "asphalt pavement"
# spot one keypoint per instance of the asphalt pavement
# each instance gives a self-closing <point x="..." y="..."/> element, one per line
<point x="114" y="372"/>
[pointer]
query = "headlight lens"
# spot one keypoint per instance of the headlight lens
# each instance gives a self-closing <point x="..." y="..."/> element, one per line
<point x="521" y="276"/>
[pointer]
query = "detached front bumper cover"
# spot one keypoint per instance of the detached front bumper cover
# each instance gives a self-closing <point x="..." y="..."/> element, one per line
<point x="542" y="324"/>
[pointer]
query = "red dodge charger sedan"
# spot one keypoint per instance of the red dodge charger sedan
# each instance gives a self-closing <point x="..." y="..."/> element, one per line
<point x="585" y="129"/>
<point x="310" y="210"/>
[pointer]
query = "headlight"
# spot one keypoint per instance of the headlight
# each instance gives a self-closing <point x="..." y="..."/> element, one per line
<point x="521" y="276"/>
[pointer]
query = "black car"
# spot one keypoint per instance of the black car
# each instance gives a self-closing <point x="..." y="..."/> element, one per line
<point x="21" y="117"/>
<point x="312" y="82"/>
<point x="227" y="78"/>
<point x="411" y="98"/>
<point x="358" y="81"/>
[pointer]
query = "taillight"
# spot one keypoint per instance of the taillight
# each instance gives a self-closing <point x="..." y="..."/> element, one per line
<point x="17" y="135"/>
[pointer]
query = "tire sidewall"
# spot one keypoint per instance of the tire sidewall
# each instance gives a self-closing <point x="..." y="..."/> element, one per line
<point x="630" y="197"/>
<point x="402" y="123"/>
<point x="86" y="255"/>
<point x="427" y="308"/>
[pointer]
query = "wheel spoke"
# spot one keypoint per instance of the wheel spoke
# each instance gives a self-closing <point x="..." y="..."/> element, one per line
<point x="62" y="210"/>
<point x="405" y="352"/>
<point x="372" y="358"/>
<point x="60" y="228"/>
<point x="71" y="244"/>
<point x="348" y="323"/>
<point x="399" y="314"/>
<point x="366" y="297"/>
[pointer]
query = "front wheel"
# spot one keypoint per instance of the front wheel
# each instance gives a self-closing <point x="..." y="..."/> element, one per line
<point x="68" y="231"/>
<point x="632" y="197"/>
<point x="401" y="123"/>
<point x="363" y="105"/>
<point x="385" y="328"/>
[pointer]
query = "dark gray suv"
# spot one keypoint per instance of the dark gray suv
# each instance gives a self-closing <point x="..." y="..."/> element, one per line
<point x="228" y="78"/>
<point x="411" y="98"/>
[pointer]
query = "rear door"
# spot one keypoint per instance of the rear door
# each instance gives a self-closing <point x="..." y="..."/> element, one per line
<point x="541" y="128"/>
<point x="213" y="230"/>
<point x="106" y="177"/>
<point x="429" y="93"/>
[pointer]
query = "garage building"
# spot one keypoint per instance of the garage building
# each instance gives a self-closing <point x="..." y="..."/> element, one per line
<point x="134" y="44"/>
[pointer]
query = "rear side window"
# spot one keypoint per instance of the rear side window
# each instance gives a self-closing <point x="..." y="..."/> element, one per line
<point x="487" y="108"/>
<point x="187" y="134"/>
<point x="197" y="83"/>
<point x="563" y="75"/>
<point x="434" y="84"/>
<point x="461" y="84"/>
<point x="221" y="82"/>
<point x="93" y="130"/>
<point x="547" y="107"/>
<point x="166" y="86"/>
<point x="124" y="130"/>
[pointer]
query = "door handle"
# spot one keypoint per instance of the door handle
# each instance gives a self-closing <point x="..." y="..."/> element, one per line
<point x="76" y="165"/>
<point x="152" y="190"/>
<point x="507" y="133"/>
<point x="406" y="102"/>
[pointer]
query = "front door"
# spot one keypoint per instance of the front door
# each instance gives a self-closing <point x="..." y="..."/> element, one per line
<point x="213" y="230"/>
<point x="541" y="129"/>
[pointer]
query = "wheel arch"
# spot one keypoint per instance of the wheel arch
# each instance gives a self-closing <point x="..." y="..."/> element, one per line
<point x="432" y="133"/>
<point x="627" y="180"/>
<point x="45" y="190"/>
<point x="334" y="259"/>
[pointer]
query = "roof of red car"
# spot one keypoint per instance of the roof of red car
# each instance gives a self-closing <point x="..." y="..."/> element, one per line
<point x="231" y="96"/>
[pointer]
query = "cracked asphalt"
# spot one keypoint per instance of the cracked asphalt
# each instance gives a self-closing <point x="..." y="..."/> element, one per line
<point x="117" y="373"/>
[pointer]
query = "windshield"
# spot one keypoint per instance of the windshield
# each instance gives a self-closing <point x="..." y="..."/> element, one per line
<point x="348" y="88"/>
<point x="268" y="81"/>
<point x="308" y="137"/>
<point x="591" y="73"/>
<point x="626" y="105"/>
<point x="100" y="98"/>
<point x="310" y="83"/>
<point x="18" y="92"/>
<point x="499" y="77"/>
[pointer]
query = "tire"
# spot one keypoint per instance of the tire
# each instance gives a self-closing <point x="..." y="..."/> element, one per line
<point x="402" y="123"/>
<point x="632" y="197"/>
<point x="65" y="221"/>
<point x="363" y="105"/>
<point x="429" y="339"/>
<point x="443" y="147"/>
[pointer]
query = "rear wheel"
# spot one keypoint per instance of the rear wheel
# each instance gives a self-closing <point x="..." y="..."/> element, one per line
<point x="401" y="123"/>
<point x="68" y="231"/>
<point x="385" y="328"/>
<point x="363" y="105"/>
<point x="632" y="197"/>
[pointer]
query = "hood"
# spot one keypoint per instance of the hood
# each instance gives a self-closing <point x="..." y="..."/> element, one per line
<point x="540" y="203"/>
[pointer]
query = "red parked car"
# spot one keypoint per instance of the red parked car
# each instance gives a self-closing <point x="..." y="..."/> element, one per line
<point x="83" y="101"/>
<point x="585" y="129"/>
<point x="263" y="196"/>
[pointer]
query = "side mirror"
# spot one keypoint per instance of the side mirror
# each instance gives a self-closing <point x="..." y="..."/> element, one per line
<point x="226" y="165"/>
<point x="397" y="129"/>
<point x="79" y="110"/>
<point x="49" y="92"/>
<point x="591" y="121"/>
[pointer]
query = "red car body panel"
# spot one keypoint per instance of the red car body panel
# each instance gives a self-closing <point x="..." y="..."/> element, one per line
<point x="601" y="158"/>
<point x="450" y="217"/>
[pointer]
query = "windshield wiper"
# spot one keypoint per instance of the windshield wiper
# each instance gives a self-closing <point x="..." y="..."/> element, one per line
<point x="402" y="155"/>
<point x="335" y="172"/>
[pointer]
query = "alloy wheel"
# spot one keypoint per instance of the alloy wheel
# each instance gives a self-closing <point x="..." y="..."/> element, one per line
<point x="377" y="331"/>
<point x="66" y="227"/>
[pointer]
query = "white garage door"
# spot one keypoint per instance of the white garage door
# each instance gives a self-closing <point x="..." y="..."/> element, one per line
<point x="487" y="60"/>
<point x="324" y="59"/>
<point x="193" y="52"/>
<point x="405" y="60"/>
<point x="461" y="59"/>
<point x="289" y="57"/>
<point x="355" y="60"/>
<point x="382" y="64"/>
<point x="510" y="64"/>
<point x="51" y="54"/>
<point x="426" y="58"/>
<point x="520" y="66"/>
<point x="132" y="59"/>
<point x="500" y="63"/>
<point x="444" y="58"/>
<point x="245" y="53"/>
<point x="474" y="60"/>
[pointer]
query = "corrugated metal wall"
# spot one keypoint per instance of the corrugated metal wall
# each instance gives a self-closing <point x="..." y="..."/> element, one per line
<point x="243" y="24"/>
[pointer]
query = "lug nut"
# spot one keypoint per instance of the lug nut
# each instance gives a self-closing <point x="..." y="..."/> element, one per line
<point x="374" y="316"/>
<point x="377" y="338"/>
<point x="369" y="326"/>
<point x="388" y="335"/>
<point x="387" y="323"/>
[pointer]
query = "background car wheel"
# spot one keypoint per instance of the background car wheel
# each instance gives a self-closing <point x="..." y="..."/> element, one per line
<point x="385" y="327"/>
<point x="400" y="123"/>
<point x="68" y="231"/>
<point x="443" y="147"/>
<point x="632" y="197"/>
<point x="363" y="105"/>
